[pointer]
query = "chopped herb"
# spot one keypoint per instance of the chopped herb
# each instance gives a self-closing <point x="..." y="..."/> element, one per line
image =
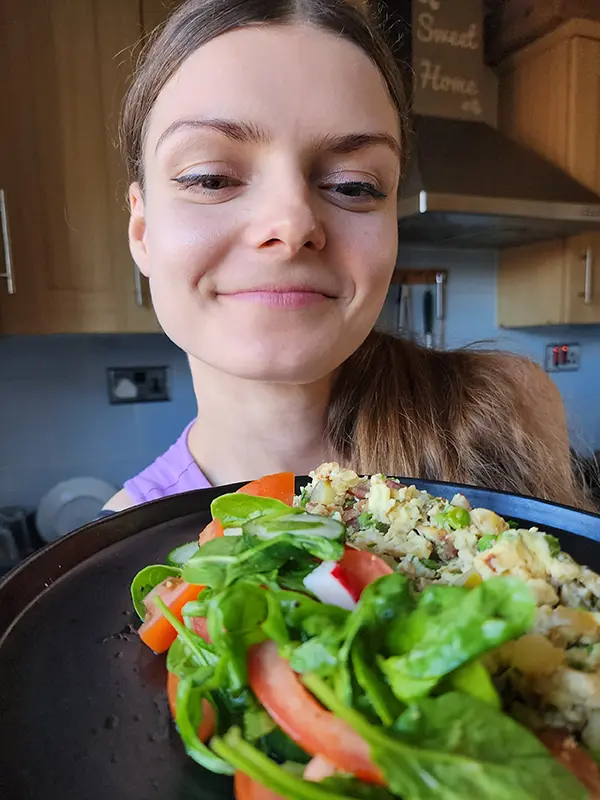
<point x="304" y="496"/>
<point x="553" y="545"/>
<point x="367" y="520"/>
<point x="429" y="563"/>
<point x="513" y="525"/>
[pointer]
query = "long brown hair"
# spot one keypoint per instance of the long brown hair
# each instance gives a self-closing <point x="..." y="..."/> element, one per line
<point x="464" y="416"/>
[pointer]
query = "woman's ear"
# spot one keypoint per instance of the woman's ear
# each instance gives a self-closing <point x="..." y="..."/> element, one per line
<point x="137" y="228"/>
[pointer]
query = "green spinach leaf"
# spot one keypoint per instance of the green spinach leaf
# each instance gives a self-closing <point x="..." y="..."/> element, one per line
<point x="146" y="580"/>
<point x="190" y="693"/>
<point x="235" y="509"/>
<point x="243" y="756"/>
<point x="226" y="559"/>
<point x="438" y="637"/>
<point x="454" y="746"/>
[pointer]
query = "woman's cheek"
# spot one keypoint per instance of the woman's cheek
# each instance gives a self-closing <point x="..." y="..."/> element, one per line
<point x="371" y="250"/>
<point x="186" y="242"/>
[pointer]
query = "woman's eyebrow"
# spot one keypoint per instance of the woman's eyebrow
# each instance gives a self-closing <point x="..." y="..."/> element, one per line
<point x="238" y="131"/>
<point x="250" y="133"/>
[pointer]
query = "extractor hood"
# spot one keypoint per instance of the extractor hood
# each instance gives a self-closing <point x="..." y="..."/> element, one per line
<point x="466" y="184"/>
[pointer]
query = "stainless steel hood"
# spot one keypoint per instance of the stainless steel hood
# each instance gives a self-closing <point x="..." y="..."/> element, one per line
<point x="468" y="185"/>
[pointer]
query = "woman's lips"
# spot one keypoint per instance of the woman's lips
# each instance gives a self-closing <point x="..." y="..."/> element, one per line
<point x="287" y="299"/>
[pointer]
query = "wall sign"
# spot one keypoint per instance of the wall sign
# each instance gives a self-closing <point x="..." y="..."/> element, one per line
<point x="447" y="59"/>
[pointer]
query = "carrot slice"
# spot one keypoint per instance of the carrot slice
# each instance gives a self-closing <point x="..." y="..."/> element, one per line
<point x="207" y="726"/>
<point x="279" y="486"/>
<point x="156" y="631"/>
<point x="213" y="530"/>
<point x="247" y="789"/>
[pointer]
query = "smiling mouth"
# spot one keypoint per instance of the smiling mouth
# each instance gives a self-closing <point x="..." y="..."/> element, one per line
<point x="284" y="297"/>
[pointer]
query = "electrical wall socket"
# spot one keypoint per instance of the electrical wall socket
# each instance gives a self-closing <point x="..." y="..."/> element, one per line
<point x="562" y="357"/>
<point x="137" y="384"/>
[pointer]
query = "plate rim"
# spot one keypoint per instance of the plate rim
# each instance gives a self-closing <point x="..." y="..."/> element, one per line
<point x="27" y="581"/>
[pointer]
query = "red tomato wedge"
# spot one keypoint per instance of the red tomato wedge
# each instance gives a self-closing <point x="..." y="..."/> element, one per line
<point x="207" y="726"/>
<point x="156" y="631"/>
<point x="279" y="486"/>
<point x="297" y="712"/>
<point x="212" y="531"/>
<point x="247" y="789"/>
<point x="362" y="568"/>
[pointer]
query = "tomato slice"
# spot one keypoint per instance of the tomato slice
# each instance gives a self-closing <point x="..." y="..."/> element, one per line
<point x="363" y="567"/>
<point x="247" y="789"/>
<point x="279" y="486"/>
<point x="315" y="729"/>
<point x="156" y="631"/>
<point x="207" y="726"/>
<point x="213" y="530"/>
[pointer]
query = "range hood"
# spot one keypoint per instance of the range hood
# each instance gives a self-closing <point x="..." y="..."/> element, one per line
<point x="466" y="184"/>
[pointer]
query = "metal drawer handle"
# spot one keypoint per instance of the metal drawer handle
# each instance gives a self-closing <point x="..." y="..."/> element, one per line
<point x="588" y="291"/>
<point x="8" y="273"/>
<point x="137" y="281"/>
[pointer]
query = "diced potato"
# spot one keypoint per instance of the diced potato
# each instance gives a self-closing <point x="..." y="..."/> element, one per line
<point x="323" y="493"/>
<point x="533" y="654"/>
<point x="487" y="521"/>
<point x="591" y="732"/>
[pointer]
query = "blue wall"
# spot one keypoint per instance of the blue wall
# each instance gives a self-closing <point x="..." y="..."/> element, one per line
<point x="55" y="418"/>
<point x="56" y="422"/>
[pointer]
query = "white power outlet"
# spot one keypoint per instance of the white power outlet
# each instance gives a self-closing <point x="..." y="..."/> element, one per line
<point x="562" y="357"/>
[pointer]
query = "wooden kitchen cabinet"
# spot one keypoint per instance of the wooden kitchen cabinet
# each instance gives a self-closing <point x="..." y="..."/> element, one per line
<point x="65" y="64"/>
<point x="550" y="101"/>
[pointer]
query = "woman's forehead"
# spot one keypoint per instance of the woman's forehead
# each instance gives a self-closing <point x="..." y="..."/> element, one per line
<point x="288" y="81"/>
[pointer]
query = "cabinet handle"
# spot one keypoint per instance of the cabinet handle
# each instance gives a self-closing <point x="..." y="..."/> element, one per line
<point x="137" y="282"/>
<point x="588" y="290"/>
<point x="8" y="273"/>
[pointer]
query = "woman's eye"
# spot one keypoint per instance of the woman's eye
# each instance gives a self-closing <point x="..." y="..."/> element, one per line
<point x="356" y="189"/>
<point x="209" y="183"/>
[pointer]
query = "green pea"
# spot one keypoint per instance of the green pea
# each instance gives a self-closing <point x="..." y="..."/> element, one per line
<point x="486" y="542"/>
<point x="458" y="517"/>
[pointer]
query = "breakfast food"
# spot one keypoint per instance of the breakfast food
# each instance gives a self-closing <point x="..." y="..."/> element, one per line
<point x="366" y="639"/>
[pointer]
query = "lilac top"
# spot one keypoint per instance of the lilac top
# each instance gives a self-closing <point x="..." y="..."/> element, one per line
<point x="172" y="473"/>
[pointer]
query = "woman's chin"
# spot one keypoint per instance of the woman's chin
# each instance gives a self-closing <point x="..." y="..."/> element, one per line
<point x="300" y="362"/>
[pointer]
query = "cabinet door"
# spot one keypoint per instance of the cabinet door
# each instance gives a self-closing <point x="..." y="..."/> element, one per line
<point x="582" y="284"/>
<point x="583" y="159"/>
<point x="60" y="60"/>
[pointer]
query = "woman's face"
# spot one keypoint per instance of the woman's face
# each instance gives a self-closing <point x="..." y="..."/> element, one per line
<point x="267" y="225"/>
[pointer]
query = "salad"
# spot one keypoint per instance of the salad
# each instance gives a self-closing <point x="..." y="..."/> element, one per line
<point x="313" y="654"/>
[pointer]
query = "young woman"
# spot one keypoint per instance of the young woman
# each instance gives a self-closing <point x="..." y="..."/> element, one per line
<point x="265" y="143"/>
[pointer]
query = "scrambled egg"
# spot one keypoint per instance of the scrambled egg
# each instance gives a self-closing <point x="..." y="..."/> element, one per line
<point x="551" y="676"/>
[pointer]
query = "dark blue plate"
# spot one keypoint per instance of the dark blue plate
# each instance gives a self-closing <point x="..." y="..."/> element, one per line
<point x="83" y="710"/>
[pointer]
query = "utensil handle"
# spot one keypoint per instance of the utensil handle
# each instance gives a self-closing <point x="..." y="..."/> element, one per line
<point x="428" y="317"/>
<point x="137" y="282"/>
<point x="588" y="290"/>
<point x="440" y="281"/>
<point x="9" y="273"/>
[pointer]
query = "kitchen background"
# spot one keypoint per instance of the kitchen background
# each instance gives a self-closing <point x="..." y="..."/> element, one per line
<point x="57" y="422"/>
<point x="86" y="310"/>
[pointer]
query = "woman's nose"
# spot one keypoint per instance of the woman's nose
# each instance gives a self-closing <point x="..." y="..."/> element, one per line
<point x="286" y="220"/>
